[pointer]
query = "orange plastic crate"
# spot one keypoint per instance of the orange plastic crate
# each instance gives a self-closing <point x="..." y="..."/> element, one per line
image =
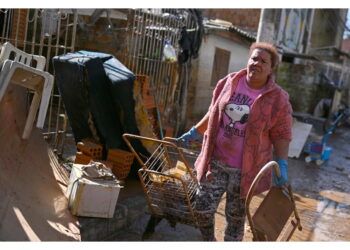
<point x="89" y="148"/>
<point x="122" y="161"/>
<point x="121" y="170"/>
<point x="81" y="158"/>
<point x="120" y="156"/>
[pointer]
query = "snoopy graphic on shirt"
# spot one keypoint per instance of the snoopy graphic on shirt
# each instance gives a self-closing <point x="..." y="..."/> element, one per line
<point x="237" y="113"/>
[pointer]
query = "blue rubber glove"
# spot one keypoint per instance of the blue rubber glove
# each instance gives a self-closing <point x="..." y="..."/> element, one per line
<point x="283" y="169"/>
<point x="192" y="135"/>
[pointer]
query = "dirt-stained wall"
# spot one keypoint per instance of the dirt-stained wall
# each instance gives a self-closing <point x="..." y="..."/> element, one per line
<point x="305" y="85"/>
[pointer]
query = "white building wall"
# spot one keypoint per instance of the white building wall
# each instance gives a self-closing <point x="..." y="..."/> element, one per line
<point x="238" y="61"/>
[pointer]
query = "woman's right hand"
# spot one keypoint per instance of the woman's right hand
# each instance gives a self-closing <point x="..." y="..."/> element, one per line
<point x="193" y="135"/>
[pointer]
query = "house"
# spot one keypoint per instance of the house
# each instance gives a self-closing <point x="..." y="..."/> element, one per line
<point x="309" y="41"/>
<point x="224" y="49"/>
<point x="325" y="43"/>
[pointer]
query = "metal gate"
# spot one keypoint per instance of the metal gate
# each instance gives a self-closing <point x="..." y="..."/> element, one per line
<point x="149" y="31"/>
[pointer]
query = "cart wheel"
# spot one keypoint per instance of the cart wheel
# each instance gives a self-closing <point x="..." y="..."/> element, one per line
<point x="319" y="162"/>
<point x="308" y="159"/>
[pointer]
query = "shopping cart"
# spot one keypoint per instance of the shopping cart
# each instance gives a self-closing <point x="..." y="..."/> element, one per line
<point x="168" y="180"/>
<point x="270" y="219"/>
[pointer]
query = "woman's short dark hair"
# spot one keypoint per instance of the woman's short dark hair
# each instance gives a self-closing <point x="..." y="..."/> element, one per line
<point x="269" y="48"/>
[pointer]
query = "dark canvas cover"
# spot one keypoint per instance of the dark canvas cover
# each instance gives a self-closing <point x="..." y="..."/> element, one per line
<point x="97" y="92"/>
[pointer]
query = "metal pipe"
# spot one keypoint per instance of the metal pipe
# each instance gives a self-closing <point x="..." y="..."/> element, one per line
<point x="41" y="45"/>
<point x="158" y="64"/>
<point x="137" y="42"/>
<point x="153" y="48"/>
<point x="47" y="67"/>
<point x="58" y="33"/>
<point x="48" y="53"/>
<point x="52" y="94"/>
<point x="148" y="43"/>
<point x="142" y="39"/>
<point x="4" y="26"/>
<point x="17" y="25"/>
<point x="133" y="41"/>
<point x="75" y="21"/>
<point x="26" y="31"/>
<point x="130" y="39"/>
<point x="9" y="23"/>
<point x="66" y="34"/>
<point x="34" y="30"/>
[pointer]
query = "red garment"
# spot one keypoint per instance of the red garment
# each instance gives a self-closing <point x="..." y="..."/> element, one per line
<point x="270" y="119"/>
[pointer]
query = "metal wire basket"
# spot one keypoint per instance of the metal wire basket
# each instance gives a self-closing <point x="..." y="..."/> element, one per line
<point x="168" y="180"/>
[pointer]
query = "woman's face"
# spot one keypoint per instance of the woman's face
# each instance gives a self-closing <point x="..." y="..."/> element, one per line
<point x="259" y="67"/>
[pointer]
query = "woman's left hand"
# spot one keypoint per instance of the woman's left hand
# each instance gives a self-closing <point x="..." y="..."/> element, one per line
<point x="283" y="164"/>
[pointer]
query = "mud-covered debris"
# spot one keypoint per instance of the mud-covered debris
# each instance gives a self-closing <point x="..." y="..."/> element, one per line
<point x="68" y="166"/>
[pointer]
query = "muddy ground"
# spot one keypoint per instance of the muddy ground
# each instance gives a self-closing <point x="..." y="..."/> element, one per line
<point x="322" y="195"/>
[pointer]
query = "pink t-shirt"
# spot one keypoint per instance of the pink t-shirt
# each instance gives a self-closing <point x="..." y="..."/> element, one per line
<point x="229" y="141"/>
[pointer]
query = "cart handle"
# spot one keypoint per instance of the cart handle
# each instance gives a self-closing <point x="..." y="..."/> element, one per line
<point x="172" y="139"/>
<point x="126" y="137"/>
<point x="252" y="188"/>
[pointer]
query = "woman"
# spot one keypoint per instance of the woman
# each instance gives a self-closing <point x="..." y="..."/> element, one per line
<point x="249" y="119"/>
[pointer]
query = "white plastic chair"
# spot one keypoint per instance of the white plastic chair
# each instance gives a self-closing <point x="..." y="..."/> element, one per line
<point x="19" y="71"/>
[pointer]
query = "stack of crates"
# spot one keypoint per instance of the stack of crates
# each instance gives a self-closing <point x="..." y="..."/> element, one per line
<point x="122" y="161"/>
<point x="118" y="160"/>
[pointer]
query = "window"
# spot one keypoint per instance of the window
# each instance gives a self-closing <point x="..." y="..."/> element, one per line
<point x="220" y="66"/>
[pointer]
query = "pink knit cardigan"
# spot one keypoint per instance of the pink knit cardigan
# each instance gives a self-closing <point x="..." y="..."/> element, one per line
<point x="270" y="119"/>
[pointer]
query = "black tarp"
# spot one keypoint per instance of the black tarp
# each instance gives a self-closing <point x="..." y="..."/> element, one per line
<point x="97" y="85"/>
